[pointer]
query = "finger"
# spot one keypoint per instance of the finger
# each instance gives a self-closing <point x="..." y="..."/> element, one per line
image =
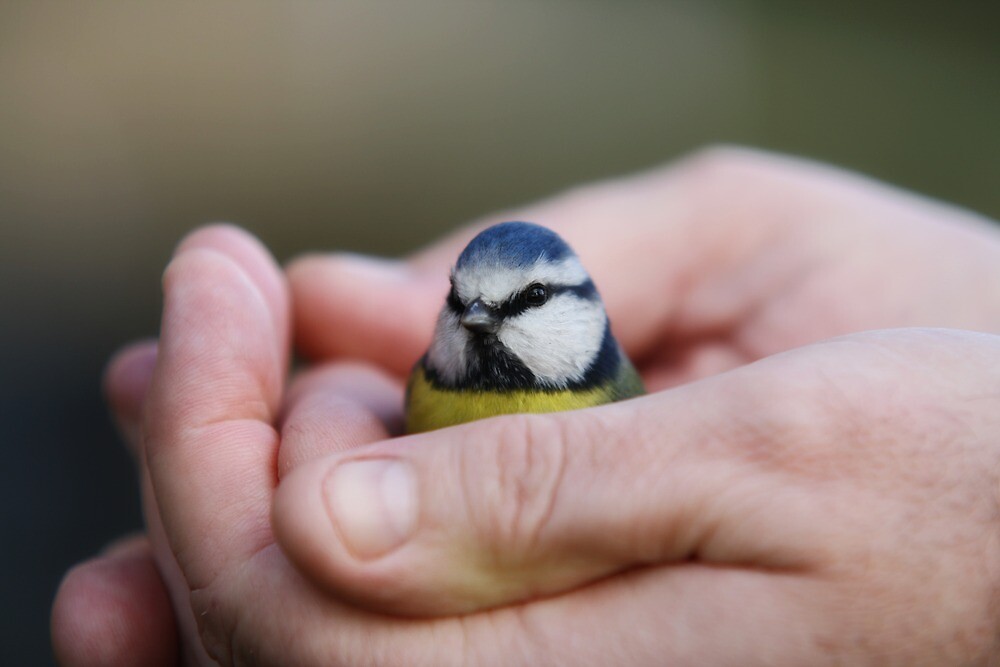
<point x="192" y="645"/>
<point x="126" y="384"/>
<point x="690" y="614"/>
<point x="517" y="507"/>
<point x="211" y="447"/>
<point x="347" y="306"/>
<point x="335" y="408"/>
<point x="113" y="610"/>
<point x="245" y="250"/>
<point x="687" y="614"/>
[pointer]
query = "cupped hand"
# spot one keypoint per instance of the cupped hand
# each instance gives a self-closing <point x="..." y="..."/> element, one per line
<point x="834" y="503"/>
<point x="738" y="256"/>
<point x="727" y="258"/>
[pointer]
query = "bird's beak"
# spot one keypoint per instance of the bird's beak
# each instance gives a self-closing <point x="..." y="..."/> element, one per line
<point x="480" y="318"/>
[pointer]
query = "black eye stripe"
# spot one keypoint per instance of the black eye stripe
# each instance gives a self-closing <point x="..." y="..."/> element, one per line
<point x="454" y="303"/>
<point x="584" y="290"/>
<point x="518" y="304"/>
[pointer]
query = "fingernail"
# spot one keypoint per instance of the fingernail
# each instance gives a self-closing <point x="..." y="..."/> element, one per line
<point x="373" y="504"/>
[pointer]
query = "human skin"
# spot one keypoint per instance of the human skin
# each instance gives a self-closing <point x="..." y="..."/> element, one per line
<point x="780" y="499"/>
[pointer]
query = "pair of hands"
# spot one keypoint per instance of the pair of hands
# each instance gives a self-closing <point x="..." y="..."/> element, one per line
<point x="832" y="502"/>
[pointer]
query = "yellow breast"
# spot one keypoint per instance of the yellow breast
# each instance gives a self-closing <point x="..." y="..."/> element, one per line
<point x="429" y="407"/>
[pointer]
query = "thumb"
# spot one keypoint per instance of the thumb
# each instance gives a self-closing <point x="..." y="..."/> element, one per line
<point x="516" y="507"/>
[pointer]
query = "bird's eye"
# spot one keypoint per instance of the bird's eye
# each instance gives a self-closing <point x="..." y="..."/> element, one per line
<point x="536" y="295"/>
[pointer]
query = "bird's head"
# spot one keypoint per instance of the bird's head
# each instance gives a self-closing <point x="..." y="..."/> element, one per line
<point x="522" y="312"/>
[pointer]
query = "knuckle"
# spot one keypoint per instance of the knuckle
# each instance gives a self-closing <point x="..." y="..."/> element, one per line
<point x="528" y="462"/>
<point x="777" y="426"/>
<point x="855" y="407"/>
<point x="725" y="180"/>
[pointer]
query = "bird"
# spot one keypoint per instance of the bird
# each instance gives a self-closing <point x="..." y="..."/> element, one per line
<point x="522" y="330"/>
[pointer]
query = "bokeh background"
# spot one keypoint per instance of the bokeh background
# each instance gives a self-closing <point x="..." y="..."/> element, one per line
<point x="375" y="126"/>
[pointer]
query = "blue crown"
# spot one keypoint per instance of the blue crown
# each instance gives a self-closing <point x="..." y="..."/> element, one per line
<point x="514" y="244"/>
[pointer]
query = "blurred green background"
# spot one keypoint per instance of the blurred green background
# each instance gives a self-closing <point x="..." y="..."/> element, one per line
<point x="376" y="126"/>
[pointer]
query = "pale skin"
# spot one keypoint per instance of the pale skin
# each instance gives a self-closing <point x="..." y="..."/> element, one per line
<point x="779" y="498"/>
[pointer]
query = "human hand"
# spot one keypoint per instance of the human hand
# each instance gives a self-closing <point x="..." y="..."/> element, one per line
<point x="800" y="552"/>
<point x="368" y="317"/>
<point x="723" y="258"/>
<point x="116" y="608"/>
<point x="741" y="256"/>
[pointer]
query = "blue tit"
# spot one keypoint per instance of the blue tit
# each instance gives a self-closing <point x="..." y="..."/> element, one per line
<point x="523" y="330"/>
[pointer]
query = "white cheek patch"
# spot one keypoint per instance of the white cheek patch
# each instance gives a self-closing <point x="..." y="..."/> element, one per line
<point x="494" y="284"/>
<point x="447" y="353"/>
<point x="559" y="340"/>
